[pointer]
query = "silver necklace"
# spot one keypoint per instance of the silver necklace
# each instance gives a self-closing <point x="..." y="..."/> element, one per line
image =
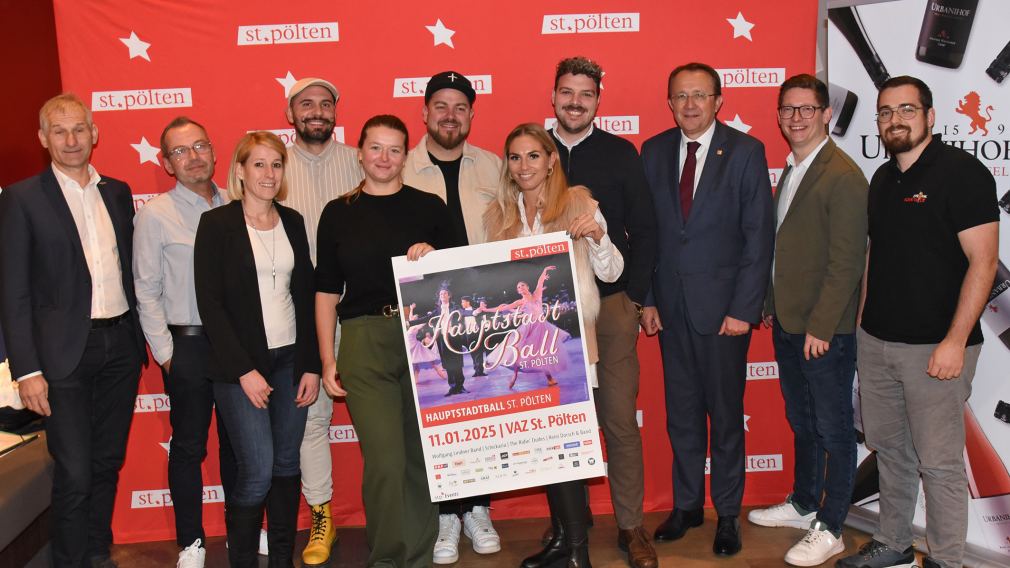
<point x="272" y="252"/>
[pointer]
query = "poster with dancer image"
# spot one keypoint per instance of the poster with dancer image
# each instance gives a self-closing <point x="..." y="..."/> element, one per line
<point x="498" y="357"/>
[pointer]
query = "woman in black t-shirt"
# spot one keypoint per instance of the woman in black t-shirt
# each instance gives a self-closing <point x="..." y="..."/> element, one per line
<point x="358" y="235"/>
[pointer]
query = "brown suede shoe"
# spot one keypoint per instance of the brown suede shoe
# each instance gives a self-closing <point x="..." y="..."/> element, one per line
<point x="636" y="543"/>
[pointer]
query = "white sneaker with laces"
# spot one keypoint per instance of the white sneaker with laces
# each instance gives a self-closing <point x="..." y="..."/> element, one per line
<point x="264" y="549"/>
<point x="193" y="556"/>
<point x="816" y="547"/>
<point x="478" y="528"/>
<point x="447" y="545"/>
<point x="781" y="515"/>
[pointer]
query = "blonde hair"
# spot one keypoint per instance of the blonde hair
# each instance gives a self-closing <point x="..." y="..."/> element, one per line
<point x="65" y="102"/>
<point x="504" y="210"/>
<point x="245" y="146"/>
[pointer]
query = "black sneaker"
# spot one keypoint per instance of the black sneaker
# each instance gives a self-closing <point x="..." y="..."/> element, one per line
<point x="878" y="555"/>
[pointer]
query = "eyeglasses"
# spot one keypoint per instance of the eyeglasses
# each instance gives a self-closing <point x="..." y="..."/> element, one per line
<point x="698" y="98"/>
<point x="905" y="111"/>
<point x="806" y="111"/>
<point x="199" y="148"/>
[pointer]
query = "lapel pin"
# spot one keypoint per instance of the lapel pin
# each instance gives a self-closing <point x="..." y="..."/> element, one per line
<point x="718" y="152"/>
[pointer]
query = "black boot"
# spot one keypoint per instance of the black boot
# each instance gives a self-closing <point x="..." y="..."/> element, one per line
<point x="282" y="520"/>
<point x="555" y="549"/>
<point x="570" y="499"/>
<point x="243" y="524"/>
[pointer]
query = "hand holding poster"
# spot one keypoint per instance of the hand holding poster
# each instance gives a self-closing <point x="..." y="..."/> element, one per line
<point x="498" y="361"/>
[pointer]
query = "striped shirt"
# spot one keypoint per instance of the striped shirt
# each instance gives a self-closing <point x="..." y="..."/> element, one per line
<point x="314" y="181"/>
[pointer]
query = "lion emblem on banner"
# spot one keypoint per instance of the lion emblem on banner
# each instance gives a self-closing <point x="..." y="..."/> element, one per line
<point x="971" y="107"/>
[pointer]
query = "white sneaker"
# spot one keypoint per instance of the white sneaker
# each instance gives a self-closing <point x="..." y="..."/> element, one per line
<point x="447" y="545"/>
<point x="193" y="556"/>
<point x="264" y="549"/>
<point x="781" y="515"/>
<point x="478" y="528"/>
<point x="815" y="547"/>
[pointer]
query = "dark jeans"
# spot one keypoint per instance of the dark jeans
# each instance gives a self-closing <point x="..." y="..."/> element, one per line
<point x="818" y="396"/>
<point x="266" y="441"/>
<point x="192" y="396"/>
<point x="91" y="413"/>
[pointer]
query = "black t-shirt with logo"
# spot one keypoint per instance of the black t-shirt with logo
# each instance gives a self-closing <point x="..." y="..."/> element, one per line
<point x="450" y="173"/>
<point x="916" y="261"/>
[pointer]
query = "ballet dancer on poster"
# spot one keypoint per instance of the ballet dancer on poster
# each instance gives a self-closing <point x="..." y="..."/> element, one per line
<point x="537" y="332"/>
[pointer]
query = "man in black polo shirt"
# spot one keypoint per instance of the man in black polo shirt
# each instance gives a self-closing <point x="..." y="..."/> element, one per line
<point x="610" y="167"/>
<point x="934" y="226"/>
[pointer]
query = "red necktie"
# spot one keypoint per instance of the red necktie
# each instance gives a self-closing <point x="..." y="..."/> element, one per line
<point x="687" y="179"/>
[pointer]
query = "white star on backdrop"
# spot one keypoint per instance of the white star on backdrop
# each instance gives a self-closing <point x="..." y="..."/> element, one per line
<point x="741" y="27"/>
<point x="147" y="152"/>
<point x="739" y="124"/>
<point x="167" y="446"/>
<point x="287" y="82"/>
<point x="746" y="419"/>
<point x="137" y="47"/>
<point x="442" y="34"/>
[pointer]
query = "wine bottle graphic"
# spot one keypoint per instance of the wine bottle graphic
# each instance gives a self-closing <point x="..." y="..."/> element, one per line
<point x="851" y="26"/>
<point x="1000" y="66"/>
<point x="946" y="26"/>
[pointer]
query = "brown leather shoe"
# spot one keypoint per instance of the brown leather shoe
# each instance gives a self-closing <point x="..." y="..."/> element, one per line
<point x="636" y="543"/>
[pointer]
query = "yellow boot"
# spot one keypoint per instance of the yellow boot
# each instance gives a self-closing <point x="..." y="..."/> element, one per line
<point x="322" y="535"/>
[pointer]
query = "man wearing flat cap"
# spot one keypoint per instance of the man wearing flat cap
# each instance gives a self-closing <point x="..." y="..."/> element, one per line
<point x="319" y="170"/>
<point x="466" y="178"/>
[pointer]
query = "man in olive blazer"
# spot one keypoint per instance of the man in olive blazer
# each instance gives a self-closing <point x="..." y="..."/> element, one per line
<point x="820" y="254"/>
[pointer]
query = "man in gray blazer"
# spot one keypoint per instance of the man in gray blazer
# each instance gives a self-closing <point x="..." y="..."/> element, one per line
<point x="713" y="206"/>
<point x="820" y="253"/>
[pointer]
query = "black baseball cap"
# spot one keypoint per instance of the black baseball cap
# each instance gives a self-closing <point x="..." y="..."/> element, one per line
<point x="449" y="80"/>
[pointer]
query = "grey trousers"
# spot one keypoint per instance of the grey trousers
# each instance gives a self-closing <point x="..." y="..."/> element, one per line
<point x="916" y="424"/>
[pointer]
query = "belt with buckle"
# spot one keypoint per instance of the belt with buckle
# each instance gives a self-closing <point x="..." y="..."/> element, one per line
<point x="390" y="311"/>
<point x="186" y="330"/>
<point x="109" y="322"/>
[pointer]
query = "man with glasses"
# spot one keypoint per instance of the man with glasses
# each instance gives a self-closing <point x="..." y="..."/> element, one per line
<point x="715" y="225"/>
<point x="820" y="252"/>
<point x="165" y="229"/>
<point x="319" y="170"/>
<point x="934" y="230"/>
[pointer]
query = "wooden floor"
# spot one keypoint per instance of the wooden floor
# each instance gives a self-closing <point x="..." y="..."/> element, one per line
<point x="762" y="547"/>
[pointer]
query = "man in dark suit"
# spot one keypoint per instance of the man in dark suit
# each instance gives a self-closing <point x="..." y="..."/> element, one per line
<point x="448" y="350"/>
<point x="820" y="252"/>
<point x="69" y="311"/>
<point x="715" y="227"/>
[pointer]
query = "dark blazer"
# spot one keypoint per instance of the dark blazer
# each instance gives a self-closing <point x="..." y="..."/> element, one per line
<point x="820" y="249"/>
<point x="228" y="297"/>
<point x="719" y="259"/>
<point x="45" y="284"/>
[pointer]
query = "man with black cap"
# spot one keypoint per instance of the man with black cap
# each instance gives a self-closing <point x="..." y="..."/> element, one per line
<point x="466" y="178"/>
<point x="319" y="170"/>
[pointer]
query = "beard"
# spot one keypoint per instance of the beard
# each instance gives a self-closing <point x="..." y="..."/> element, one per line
<point x="570" y="125"/>
<point x="450" y="140"/>
<point x="898" y="139"/>
<point x="315" y="135"/>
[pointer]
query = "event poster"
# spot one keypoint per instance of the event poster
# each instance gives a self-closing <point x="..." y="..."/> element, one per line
<point x="961" y="49"/>
<point x="499" y="366"/>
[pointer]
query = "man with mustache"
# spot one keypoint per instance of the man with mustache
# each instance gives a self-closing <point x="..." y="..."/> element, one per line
<point x="466" y="178"/>
<point x="934" y="231"/>
<point x="163" y="237"/>
<point x="319" y="170"/>
<point x="610" y="167"/>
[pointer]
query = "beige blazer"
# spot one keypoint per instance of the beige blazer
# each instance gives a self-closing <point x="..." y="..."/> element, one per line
<point x="820" y="249"/>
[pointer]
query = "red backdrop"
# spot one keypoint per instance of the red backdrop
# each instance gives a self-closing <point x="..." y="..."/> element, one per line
<point x="225" y="66"/>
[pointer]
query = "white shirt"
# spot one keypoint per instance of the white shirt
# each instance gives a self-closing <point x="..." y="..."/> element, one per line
<point x="98" y="239"/>
<point x="706" y="142"/>
<point x="607" y="261"/>
<point x="793" y="180"/>
<point x="557" y="135"/>
<point x="273" y="275"/>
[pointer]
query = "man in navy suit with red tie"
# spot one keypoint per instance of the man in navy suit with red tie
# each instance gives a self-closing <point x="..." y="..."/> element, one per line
<point x="715" y="227"/>
<point x="69" y="315"/>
